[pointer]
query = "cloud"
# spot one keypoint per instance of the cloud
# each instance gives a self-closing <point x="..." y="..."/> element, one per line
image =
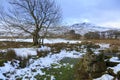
<point x="96" y="11"/>
<point x="71" y="21"/>
<point x="111" y="24"/>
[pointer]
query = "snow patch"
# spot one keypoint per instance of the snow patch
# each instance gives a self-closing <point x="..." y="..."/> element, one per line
<point x="25" y="52"/>
<point x="36" y="65"/>
<point x="58" y="40"/>
<point x="105" y="77"/>
<point x="44" y="48"/>
<point x="52" y="78"/>
<point x="114" y="59"/>
<point x="103" y="45"/>
<point x="116" y="68"/>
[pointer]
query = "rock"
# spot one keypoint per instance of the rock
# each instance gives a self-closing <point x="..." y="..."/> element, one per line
<point x="91" y="66"/>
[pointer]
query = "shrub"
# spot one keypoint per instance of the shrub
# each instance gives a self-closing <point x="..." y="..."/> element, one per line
<point x="92" y="35"/>
<point x="80" y="73"/>
<point x="110" y="72"/>
<point x="107" y="51"/>
<point x="2" y="55"/>
<point x="10" y="55"/>
<point x="111" y="64"/>
<point x="118" y="75"/>
<point x="42" y="53"/>
<point x="101" y="57"/>
<point x="2" y="62"/>
<point x="24" y="62"/>
<point x="56" y="48"/>
<point x="90" y="66"/>
<point x="89" y="45"/>
<point x="114" y="49"/>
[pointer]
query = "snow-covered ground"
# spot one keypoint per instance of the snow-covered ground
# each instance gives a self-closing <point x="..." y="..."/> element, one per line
<point x="38" y="64"/>
<point x="45" y="41"/>
<point x="104" y="45"/>
<point x="116" y="68"/>
<point x="14" y="72"/>
<point x="115" y="59"/>
<point x="105" y="77"/>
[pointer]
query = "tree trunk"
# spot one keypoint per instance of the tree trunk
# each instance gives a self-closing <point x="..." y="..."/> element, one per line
<point x="36" y="38"/>
<point x="42" y="42"/>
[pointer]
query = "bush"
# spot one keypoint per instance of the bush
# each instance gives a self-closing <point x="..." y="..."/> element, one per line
<point x="2" y="55"/>
<point x="2" y="62"/>
<point x="118" y="75"/>
<point x="80" y="73"/>
<point x="89" y="45"/>
<point x="57" y="47"/>
<point x="111" y="64"/>
<point x="24" y="62"/>
<point x="113" y="49"/>
<point x="42" y="53"/>
<point x="90" y="66"/>
<point x="10" y="55"/>
<point x="110" y="72"/>
<point x="92" y="35"/>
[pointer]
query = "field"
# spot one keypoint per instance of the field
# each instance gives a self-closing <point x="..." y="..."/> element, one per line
<point x="58" y="59"/>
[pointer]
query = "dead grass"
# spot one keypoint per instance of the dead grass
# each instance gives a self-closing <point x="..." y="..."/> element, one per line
<point x="110" y="41"/>
<point x="9" y="44"/>
<point x="12" y="44"/>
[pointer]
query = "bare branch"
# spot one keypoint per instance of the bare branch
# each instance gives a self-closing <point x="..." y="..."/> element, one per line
<point x="32" y="16"/>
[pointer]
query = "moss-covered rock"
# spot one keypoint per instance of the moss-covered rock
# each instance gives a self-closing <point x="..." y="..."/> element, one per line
<point x="118" y="75"/>
<point x="90" y="66"/>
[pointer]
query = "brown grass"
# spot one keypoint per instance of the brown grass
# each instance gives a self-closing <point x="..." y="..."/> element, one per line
<point x="110" y="41"/>
<point x="12" y="44"/>
<point x="10" y="55"/>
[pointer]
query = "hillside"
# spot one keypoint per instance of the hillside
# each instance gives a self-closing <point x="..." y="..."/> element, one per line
<point x="80" y="28"/>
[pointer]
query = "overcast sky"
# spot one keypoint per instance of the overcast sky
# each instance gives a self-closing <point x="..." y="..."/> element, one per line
<point x="100" y="12"/>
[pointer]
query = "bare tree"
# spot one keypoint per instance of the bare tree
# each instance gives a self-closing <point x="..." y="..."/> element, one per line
<point x="32" y="16"/>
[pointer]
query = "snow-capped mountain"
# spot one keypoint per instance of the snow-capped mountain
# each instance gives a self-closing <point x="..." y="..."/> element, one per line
<point x="80" y="28"/>
<point x="83" y="28"/>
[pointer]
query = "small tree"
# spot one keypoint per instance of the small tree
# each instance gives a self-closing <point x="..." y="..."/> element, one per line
<point x="92" y="35"/>
<point x="32" y="16"/>
<point x="117" y="34"/>
<point x="72" y="32"/>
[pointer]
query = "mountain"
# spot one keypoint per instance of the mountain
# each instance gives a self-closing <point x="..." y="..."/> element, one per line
<point x="82" y="28"/>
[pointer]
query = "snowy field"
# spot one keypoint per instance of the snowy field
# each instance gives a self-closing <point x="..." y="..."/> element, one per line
<point x="43" y="62"/>
<point x="45" y="41"/>
<point x="14" y="72"/>
<point x="38" y="64"/>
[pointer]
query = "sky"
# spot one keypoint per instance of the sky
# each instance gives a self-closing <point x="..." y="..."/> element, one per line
<point x="100" y="12"/>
